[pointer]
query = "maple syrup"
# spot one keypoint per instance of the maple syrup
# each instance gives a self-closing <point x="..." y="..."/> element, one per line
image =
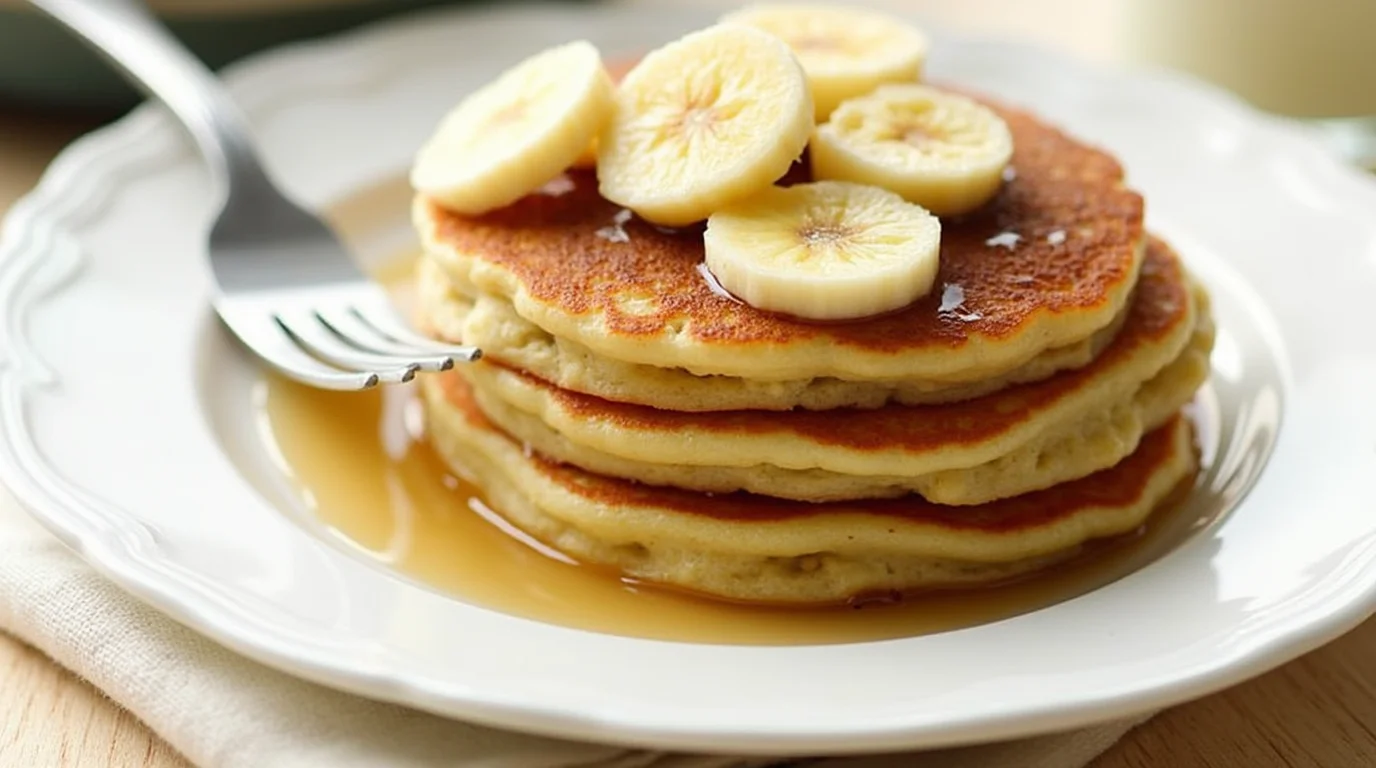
<point x="360" y="464"/>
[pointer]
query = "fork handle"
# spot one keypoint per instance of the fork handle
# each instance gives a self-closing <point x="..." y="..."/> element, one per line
<point x="127" y="34"/>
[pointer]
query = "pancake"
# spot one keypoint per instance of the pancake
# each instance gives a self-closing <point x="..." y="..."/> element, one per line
<point x="493" y="325"/>
<point x="758" y="549"/>
<point x="1028" y="433"/>
<point x="1064" y="452"/>
<point x="577" y="268"/>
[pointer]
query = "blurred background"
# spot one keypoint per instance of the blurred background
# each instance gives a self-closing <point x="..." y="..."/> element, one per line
<point x="1310" y="58"/>
<point x="41" y="65"/>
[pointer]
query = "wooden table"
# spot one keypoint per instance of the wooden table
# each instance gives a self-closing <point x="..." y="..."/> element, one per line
<point x="1317" y="711"/>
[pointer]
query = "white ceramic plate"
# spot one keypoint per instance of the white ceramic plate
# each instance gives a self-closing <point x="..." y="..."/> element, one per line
<point x="127" y="427"/>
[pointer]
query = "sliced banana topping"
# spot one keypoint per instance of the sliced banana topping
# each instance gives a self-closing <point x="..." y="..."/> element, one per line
<point x="827" y="250"/>
<point x="616" y="69"/>
<point x="709" y="119"/>
<point x="516" y="133"/>
<point x="940" y="150"/>
<point x="846" y="52"/>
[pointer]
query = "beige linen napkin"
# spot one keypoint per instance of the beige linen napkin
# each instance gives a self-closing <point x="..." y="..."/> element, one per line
<point x="224" y="711"/>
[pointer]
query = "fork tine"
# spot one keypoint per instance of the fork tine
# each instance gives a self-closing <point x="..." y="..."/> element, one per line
<point x="320" y="341"/>
<point x="382" y="318"/>
<point x="349" y="327"/>
<point x="266" y="340"/>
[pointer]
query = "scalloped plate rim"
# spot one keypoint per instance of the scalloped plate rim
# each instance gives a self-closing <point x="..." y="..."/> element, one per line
<point x="1343" y="609"/>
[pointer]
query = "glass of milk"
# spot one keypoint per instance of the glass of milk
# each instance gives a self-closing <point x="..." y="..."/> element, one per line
<point x="1308" y="59"/>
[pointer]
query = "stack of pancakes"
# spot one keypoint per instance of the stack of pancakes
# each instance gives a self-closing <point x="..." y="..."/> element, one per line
<point x="632" y="415"/>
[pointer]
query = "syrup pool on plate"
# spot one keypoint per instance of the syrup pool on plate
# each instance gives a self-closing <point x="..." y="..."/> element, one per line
<point x="360" y="465"/>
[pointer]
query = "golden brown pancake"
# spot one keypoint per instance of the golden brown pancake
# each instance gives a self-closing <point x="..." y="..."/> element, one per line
<point x="1066" y="451"/>
<point x="1039" y="361"/>
<point x="761" y="549"/>
<point x="628" y="291"/>
<point x="1025" y="429"/>
<point x="492" y="324"/>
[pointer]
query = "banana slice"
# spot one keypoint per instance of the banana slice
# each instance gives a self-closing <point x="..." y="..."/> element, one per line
<point x="616" y="69"/>
<point x="829" y="250"/>
<point x="937" y="149"/>
<point x="518" y="132"/>
<point x="846" y="52"/>
<point x="706" y="120"/>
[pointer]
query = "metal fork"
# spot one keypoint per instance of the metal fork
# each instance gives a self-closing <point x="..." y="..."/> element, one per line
<point x="284" y="283"/>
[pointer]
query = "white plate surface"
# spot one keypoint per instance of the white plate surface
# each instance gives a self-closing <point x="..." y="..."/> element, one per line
<point x="126" y="422"/>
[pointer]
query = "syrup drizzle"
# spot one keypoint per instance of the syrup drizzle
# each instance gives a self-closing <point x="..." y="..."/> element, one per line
<point x="365" y="474"/>
<point x="715" y="285"/>
<point x="615" y="232"/>
<point x="1007" y="240"/>
<point x="953" y="304"/>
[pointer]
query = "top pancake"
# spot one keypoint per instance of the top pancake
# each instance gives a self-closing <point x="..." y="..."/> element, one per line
<point x="1021" y="438"/>
<point x="636" y="293"/>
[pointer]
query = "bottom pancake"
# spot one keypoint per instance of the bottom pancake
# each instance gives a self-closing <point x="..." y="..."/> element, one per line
<point x="758" y="549"/>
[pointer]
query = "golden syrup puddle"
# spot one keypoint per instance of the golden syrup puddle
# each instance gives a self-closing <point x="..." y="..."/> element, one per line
<point x="362" y="468"/>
